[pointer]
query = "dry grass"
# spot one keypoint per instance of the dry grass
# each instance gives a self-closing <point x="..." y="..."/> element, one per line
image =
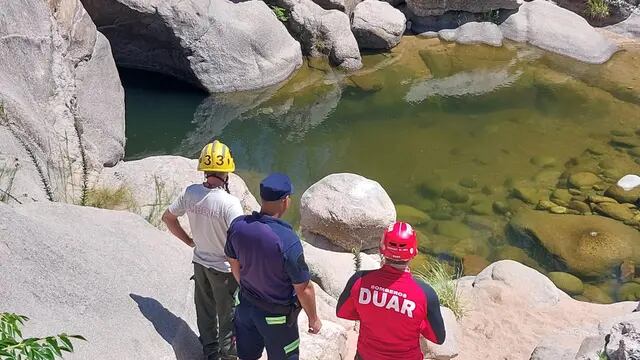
<point x="114" y="199"/>
<point x="441" y="278"/>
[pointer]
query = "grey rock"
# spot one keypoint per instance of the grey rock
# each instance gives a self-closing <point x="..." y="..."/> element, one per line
<point x="332" y="270"/>
<point x="624" y="341"/>
<point x="542" y="292"/>
<point x="474" y="33"/>
<point x="629" y="27"/>
<point x="439" y="7"/>
<point x="346" y="6"/>
<point x="450" y="348"/>
<point x="174" y="173"/>
<point x="62" y="97"/>
<point x="208" y="43"/>
<point x="323" y="33"/>
<point x="377" y="25"/>
<point x="101" y="104"/>
<point x="349" y="210"/>
<point x="95" y="271"/>
<point x="552" y="28"/>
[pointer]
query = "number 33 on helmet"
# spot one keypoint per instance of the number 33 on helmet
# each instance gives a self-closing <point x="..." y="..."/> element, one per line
<point x="216" y="157"/>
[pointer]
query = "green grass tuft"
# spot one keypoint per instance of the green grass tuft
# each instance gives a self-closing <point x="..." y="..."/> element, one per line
<point x="113" y="199"/>
<point x="441" y="278"/>
<point x="597" y="9"/>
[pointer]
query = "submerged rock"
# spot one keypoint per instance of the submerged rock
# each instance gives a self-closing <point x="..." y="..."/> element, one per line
<point x="552" y="28"/>
<point x="473" y="264"/>
<point x="207" y="43"/>
<point x="588" y="245"/>
<point x="614" y="211"/>
<point x="474" y="33"/>
<point x="629" y="182"/>
<point x="349" y="210"/>
<point x="583" y="179"/>
<point x="453" y="229"/>
<point x="629" y="292"/>
<point x="377" y="25"/>
<point x="411" y="215"/>
<point x="566" y="282"/>
<point x="596" y="295"/>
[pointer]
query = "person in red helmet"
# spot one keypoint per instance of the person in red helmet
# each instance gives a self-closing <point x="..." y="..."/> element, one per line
<point x="393" y="307"/>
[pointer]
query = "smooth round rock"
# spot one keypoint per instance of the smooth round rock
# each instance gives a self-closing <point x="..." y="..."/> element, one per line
<point x="566" y="282"/>
<point x="596" y="295"/>
<point x="455" y="195"/>
<point x="349" y="210"/>
<point x="558" y="210"/>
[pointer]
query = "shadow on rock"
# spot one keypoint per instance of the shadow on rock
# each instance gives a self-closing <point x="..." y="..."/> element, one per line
<point x="173" y="329"/>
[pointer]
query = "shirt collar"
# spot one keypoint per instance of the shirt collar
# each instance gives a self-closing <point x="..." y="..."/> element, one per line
<point x="264" y="218"/>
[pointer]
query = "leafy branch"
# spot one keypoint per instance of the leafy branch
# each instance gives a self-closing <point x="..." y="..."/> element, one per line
<point x="13" y="346"/>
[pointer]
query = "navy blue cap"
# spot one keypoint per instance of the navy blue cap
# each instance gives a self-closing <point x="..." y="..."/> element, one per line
<point x="275" y="187"/>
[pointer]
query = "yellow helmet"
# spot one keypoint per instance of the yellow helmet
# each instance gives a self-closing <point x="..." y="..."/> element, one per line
<point x="216" y="157"/>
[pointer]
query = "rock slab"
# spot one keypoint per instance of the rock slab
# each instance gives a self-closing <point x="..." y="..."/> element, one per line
<point x="349" y="210"/>
<point x="377" y="25"/>
<point x="474" y="33"/>
<point x="552" y="28"/>
<point x="208" y="43"/>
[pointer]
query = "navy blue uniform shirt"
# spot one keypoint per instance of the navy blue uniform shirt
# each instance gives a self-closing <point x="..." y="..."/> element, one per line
<point x="270" y="255"/>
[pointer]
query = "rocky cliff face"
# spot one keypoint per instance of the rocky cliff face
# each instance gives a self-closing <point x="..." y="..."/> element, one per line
<point x="217" y="45"/>
<point x="62" y="104"/>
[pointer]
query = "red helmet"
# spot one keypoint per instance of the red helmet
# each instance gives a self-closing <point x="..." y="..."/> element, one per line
<point x="399" y="242"/>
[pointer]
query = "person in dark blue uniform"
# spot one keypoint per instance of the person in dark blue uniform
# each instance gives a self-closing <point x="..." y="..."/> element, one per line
<point x="267" y="260"/>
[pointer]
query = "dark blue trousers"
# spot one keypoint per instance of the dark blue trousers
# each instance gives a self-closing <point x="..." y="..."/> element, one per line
<point x="257" y="329"/>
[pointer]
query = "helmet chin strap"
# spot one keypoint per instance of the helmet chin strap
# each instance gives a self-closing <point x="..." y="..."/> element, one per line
<point x="225" y="183"/>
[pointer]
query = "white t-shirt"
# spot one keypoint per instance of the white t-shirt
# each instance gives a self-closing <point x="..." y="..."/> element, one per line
<point x="210" y="213"/>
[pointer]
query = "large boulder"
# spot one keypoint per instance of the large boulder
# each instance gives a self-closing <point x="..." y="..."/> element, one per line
<point x="349" y="210"/>
<point x="62" y="112"/>
<point x="332" y="270"/>
<point x="629" y="28"/>
<point x="439" y="7"/>
<point x="450" y="348"/>
<point x="209" y="43"/>
<point x="94" y="272"/>
<point x="550" y="27"/>
<point x="323" y="32"/>
<point x="509" y="303"/>
<point x="588" y="245"/>
<point x="156" y="181"/>
<point x="377" y="25"/>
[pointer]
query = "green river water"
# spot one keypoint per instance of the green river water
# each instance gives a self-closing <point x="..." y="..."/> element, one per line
<point x="475" y="121"/>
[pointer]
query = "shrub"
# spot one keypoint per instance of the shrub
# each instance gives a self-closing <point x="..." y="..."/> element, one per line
<point x="13" y="346"/>
<point x="441" y="278"/>
<point x="597" y="9"/>
<point x="281" y="13"/>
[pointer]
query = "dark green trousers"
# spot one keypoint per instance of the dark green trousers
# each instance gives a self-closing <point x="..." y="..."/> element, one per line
<point x="215" y="304"/>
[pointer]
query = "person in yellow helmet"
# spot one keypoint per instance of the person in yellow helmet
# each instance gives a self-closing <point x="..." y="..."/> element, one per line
<point x="210" y="209"/>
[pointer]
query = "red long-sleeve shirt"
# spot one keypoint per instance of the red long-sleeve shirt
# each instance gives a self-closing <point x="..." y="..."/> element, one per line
<point x="394" y="309"/>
